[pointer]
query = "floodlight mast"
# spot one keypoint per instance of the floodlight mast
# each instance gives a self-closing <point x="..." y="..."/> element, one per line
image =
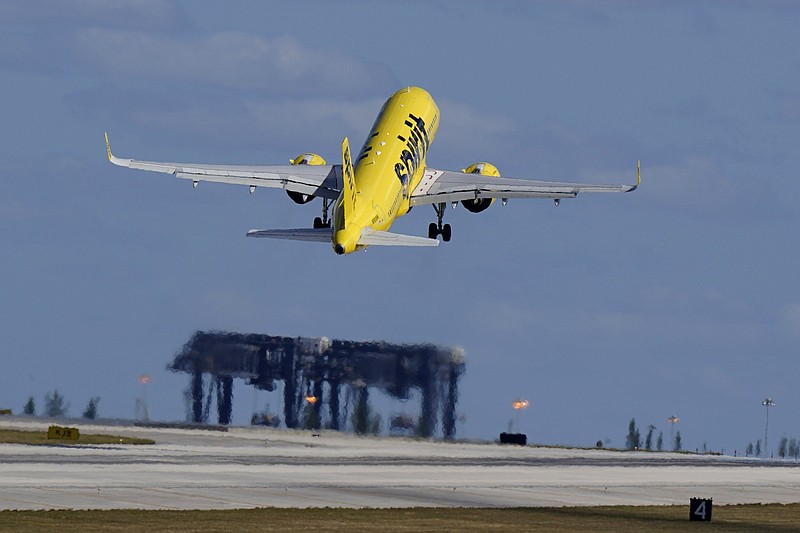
<point x="767" y="403"/>
<point x="672" y="421"/>
<point x="518" y="405"/>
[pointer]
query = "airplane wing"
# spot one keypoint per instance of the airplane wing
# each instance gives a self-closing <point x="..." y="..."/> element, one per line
<point x="439" y="186"/>
<point x="317" y="180"/>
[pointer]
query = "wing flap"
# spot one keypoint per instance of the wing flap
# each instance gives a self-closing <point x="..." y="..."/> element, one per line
<point x="273" y="182"/>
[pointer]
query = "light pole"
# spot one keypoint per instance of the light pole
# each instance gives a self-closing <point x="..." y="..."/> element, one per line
<point x="518" y="405"/>
<point x="767" y="403"/>
<point x="672" y="421"/>
<point x="141" y="404"/>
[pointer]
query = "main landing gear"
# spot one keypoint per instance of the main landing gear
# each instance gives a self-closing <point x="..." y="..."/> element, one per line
<point x="436" y="228"/>
<point x="323" y="222"/>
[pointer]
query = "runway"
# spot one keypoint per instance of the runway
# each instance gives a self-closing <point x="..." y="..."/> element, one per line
<point x="259" y="467"/>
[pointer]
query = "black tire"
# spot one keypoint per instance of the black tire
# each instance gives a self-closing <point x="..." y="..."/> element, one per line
<point x="318" y="223"/>
<point x="433" y="231"/>
<point x="447" y="232"/>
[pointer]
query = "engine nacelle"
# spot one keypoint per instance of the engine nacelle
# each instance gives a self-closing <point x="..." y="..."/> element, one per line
<point x="480" y="204"/>
<point x="304" y="159"/>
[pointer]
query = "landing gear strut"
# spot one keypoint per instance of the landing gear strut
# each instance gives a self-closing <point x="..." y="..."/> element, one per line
<point x="323" y="222"/>
<point x="437" y="228"/>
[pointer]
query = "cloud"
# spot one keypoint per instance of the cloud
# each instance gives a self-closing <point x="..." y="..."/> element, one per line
<point x="234" y="59"/>
<point x="468" y="135"/>
<point x="698" y="184"/>
<point x="240" y="121"/>
<point x="152" y="14"/>
<point x="140" y="41"/>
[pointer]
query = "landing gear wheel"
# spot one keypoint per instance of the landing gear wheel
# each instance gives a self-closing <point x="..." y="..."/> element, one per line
<point x="436" y="228"/>
<point x="323" y="222"/>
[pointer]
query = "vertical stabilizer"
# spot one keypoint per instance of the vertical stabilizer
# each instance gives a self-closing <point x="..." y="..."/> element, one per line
<point x="349" y="181"/>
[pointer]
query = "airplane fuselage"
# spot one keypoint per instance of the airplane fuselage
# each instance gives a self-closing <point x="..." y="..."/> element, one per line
<point x="388" y="167"/>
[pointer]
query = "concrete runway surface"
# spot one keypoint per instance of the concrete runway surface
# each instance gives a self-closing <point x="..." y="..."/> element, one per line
<point x="259" y="467"/>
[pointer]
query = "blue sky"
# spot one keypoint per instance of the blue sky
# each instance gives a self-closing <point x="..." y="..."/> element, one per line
<point x="679" y="298"/>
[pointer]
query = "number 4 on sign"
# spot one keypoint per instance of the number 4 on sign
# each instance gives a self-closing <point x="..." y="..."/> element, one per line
<point x="700" y="509"/>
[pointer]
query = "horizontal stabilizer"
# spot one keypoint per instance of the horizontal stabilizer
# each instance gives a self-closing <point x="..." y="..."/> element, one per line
<point x="371" y="237"/>
<point x="300" y="234"/>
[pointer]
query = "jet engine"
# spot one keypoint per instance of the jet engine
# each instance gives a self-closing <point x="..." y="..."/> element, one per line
<point x="304" y="159"/>
<point x="480" y="204"/>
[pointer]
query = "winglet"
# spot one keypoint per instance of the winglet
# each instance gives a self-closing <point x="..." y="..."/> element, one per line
<point x="638" y="177"/>
<point x="114" y="159"/>
<point x="108" y="148"/>
<point x="638" y="173"/>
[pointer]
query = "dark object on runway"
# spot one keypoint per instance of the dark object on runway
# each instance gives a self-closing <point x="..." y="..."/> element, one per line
<point x="700" y="509"/>
<point x="316" y="372"/>
<point x="514" y="438"/>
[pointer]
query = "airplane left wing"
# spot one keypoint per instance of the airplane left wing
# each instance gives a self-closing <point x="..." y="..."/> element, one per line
<point x="317" y="180"/>
<point x="440" y="186"/>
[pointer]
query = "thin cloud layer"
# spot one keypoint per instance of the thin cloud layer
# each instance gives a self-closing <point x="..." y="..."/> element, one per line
<point x="236" y="60"/>
<point x="152" y="14"/>
<point x="278" y="65"/>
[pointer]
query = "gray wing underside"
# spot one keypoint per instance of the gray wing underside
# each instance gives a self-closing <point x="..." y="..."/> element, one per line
<point x="317" y="180"/>
<point x="447" y="186"/>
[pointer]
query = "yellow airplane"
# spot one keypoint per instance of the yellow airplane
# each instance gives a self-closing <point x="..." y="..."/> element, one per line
<point x="389" y="177"/>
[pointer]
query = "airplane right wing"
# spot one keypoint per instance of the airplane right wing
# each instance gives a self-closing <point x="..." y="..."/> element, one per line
<point x="317" y="180"/>
<point x="437" y="186"/>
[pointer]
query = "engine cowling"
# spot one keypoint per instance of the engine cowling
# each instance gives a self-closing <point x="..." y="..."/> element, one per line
<point x="308" y="158"/>
<point x="480" y="204"/>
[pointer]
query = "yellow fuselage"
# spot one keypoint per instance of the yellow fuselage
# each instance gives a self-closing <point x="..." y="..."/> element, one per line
<point x="388" y="167"/>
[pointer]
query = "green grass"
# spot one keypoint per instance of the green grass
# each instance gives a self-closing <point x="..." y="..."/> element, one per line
<point x="619" y="519"/>
<point x="14" y="436"/>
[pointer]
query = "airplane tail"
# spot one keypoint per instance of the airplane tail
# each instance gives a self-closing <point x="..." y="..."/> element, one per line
<point x="348" y="179"/>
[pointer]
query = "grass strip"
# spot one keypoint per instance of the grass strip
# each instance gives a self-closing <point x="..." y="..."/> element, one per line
<point x="15" y="436"/>
<point x="766" y="518"/>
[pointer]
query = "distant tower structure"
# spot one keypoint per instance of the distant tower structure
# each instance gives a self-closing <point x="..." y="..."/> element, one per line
<point x="768" y="402"/>
<point x="315" y="372"/>
<point x="142" y="411"/>
<point x="672" y="421"/>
